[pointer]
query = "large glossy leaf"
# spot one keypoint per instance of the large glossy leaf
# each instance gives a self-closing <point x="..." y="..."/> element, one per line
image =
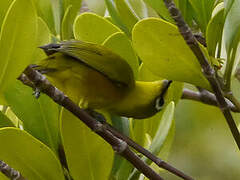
<point x="72" y="8"/>
<point x="17" y="41"/>
<point x="97" y="6"/>
<point x="3" y="10"/>
<point x="44" y="10"/>
<point x="39" y="116"/>
<point x="127" y="15"/>
<point x="29" y="156"/>
<point x="88" y="155"/>
<point x="43" y="37"/>
<point x="121" y="45"/>
<point x="165" y="53"/>
<point x="214" y="30"/>
<point x="4" y="121"/>
<point x="93" y="28"/>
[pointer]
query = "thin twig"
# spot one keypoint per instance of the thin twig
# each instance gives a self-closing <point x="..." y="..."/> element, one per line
<point x="208" y="71"/>
<point x="120" y="146"/>
<point x="206" y="98"/>
<point x="148" y="154"/>
<point x="10" y="172"/>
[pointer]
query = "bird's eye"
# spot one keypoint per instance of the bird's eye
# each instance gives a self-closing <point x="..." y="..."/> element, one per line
<point x="159" y="103"/>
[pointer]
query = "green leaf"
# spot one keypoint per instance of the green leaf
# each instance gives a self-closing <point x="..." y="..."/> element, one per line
<point x="232" y="34"/>
<point x="115" y="16"/>
<point x="17" y="41"/>
<point x="67" y="25"/>
<point x="44" y="10"/>
<point x="163" y="129"/>
<point x="145" y="126"/>
<point x="121" y="168"/>
<point x="57" y="10"/>
<point x="165" y="53"/>
<point x="3" y="177"/>
<point x="146" y="75"/>
<point x="163" y="135"/>
<point x="3" y="10"/>
<point x="160" y="8"/>
<point x="214" y="30"/>
<point x="139" y="8"/>
<point x="43" y="37"/>
<point x="186" y="10"/>
<point x="121" y="45"/>
<point x="29" y="156"/>
<point x="72" y="8"/>
<point x="39" y="116"/>
<point x="88" y="155"/>
<point x="4" y="121"/>
<point x="166" y="147"/>
<point x="174" y="92"/>
<point x="76" y="5"/>
<point x="96" y="6"/>
<point x="127" y="15"/>
<point x="93" y="28"/>
<point x="202" y="12"/>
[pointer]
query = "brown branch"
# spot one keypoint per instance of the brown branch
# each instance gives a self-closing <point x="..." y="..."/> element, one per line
<point x="148" y="154"/>
<point x="10" y="172"/>
<point x="205" y="97"/>
<point x="119" y="146"/>
<point x="208" y="71"/>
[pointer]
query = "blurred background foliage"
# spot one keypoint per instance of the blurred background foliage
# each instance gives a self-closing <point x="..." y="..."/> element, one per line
<point x="203" y="144"/>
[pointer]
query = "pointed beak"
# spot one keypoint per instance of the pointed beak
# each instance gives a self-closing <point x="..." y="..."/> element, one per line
<point x="166" y="84"/>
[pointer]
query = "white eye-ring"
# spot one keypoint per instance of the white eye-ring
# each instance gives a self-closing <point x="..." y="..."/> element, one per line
<point x="159" y="103"/>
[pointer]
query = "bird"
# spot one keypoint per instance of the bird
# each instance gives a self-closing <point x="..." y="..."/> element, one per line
<point x="96" y="78"/>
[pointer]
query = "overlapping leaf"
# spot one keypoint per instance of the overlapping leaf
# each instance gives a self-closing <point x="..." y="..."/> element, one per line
<point x="93" y="28"/>
<point x="17" y="41"/>
<point x="29" y="156"/>
<point x="165" y="53"/>
<point x="88" y="155"/>
<point x="39" y="116"/>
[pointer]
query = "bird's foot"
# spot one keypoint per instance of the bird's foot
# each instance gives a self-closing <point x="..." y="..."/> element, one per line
<point x="96" y="115"/>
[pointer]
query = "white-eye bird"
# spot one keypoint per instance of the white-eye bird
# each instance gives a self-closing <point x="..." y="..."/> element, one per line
<point x="96" y="78"/>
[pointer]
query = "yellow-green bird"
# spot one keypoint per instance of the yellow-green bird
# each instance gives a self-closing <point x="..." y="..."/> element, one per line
<point x="96" y="78"/>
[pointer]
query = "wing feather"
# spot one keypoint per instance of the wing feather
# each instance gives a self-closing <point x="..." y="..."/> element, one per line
<point x="97" y="57"/>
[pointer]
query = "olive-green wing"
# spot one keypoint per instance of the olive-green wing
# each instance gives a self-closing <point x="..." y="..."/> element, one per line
<point x="97" y="57"/>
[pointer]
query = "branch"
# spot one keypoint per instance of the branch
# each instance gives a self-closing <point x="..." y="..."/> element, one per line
<point x="10" y="172"/>
<point x="119" y="146"/>
<point x="208" y="71"/>
<point x="205" y="97"/>
<point x="148" y="154"/>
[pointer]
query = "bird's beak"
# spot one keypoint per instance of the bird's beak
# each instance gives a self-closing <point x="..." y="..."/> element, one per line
<point x="166" y="84"/>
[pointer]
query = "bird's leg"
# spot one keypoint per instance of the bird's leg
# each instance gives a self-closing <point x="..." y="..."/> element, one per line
<point x="37" y="93"/>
